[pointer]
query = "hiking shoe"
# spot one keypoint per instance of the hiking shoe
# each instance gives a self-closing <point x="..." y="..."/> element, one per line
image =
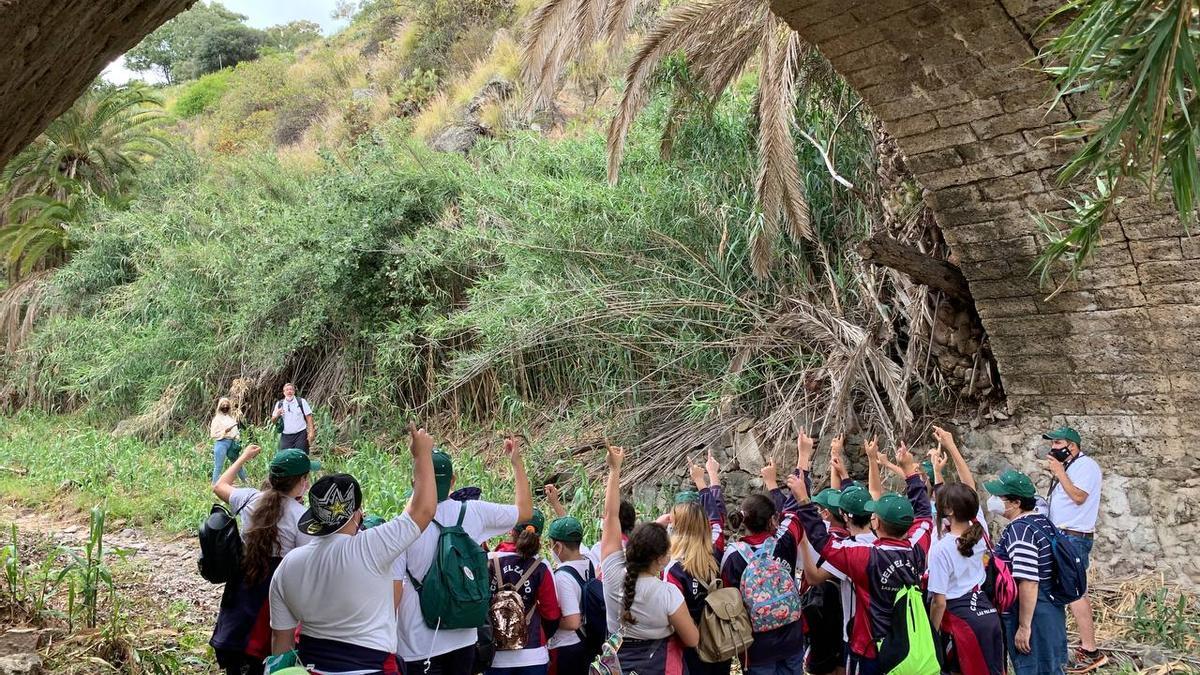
<point x="1085" y="662"/>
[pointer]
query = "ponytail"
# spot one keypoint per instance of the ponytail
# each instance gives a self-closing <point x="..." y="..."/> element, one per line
<point x="968" y="539"/>
<point x="262" y="534"/>
<point x="629" y="591"/>
<point x="648" y="543"/>
<point x="527" y="542"/>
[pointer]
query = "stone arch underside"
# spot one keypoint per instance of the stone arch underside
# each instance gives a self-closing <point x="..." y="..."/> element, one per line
<point x="51" y="50"/>
<point x="1114" y="354"/>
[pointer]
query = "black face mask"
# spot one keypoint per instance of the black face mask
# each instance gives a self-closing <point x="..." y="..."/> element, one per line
<point x="1061" y="454"/>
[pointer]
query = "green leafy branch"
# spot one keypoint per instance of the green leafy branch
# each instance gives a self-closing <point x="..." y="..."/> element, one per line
<point x="1139" y="57"/>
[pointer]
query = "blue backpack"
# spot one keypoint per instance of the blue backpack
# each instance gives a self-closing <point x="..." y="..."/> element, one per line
<point x="593" y="629"/>
<point x="1069" y="582"/>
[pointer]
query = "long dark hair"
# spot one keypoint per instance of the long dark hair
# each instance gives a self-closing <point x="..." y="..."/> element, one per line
<point x="960" y="503"/>
<point x="648" y="543"/>
<point x="262" y="536"/>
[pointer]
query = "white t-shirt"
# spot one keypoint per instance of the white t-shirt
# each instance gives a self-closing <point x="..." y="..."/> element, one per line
<point x="294" y="412"/>
<point x="951" y="573"/>
<point x="1085" y="473"/>
<point x="483" y="521"/>
<point x="340" y="586"/>
<point x="290" y="536"/>
<point x="653" y="601"/>
<point x="570" y="597"/>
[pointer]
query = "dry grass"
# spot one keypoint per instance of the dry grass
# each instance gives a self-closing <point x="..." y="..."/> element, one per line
<point x="1147" y="624"/>
<point x="438" y="113"/>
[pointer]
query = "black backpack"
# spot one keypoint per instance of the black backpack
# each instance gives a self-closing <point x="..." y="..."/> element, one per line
<point x="593" y="629"/>
<point x="220" y="545"/>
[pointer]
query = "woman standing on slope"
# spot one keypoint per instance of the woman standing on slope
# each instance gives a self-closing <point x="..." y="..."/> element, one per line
<point x="697" y="546"/>
<point x="270" y="528"/>
<point x="647" y="613"/>
<point x="223" y="429"/>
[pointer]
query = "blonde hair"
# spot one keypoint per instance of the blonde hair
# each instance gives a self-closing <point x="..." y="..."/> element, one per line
<point x="224" y="400"/>
<point x="691" y="541"/>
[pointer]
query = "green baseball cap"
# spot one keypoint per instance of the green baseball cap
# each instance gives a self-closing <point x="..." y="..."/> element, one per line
<point x="828" y="498"/>
<point x="927" y="467"/>
<point x="854" y="500"/>
<point x="687" y="497"/>
<point x="1011" y="483"/>
<point x="292" y="462"/>
<point x="372" y="521"/>
<point x="537" y="521"/>
<point x="892" y="508"/>
<point x="566" y="529"/>
<point x="443" y="474"/>
<point x="1064" y="434"/>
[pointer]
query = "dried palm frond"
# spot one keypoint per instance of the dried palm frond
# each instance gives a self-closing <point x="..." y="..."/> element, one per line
<point x="20" y="307"/>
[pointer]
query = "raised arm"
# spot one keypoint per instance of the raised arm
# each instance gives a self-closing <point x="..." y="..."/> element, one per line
<point x="697" y="473"/>
<point x="837" y="464"/>
<point x="874" y="482"/>
<point x="945" y="440"/>
<point x="225" y="486"/>
<point x="423" y="503"/>
<point x="713" y="468"/>
<point x="524" y="495"/>
<point x="555" y="501"/>
<point x="937" y="459"/>
<point x="610" y="532"/>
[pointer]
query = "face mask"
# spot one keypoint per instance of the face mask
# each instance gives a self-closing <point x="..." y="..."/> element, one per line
<point x="1061" y="454"/>
<point x="995" y="505"/>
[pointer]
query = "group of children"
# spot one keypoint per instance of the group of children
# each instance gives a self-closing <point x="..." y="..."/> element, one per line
<point x="830" y="581"/>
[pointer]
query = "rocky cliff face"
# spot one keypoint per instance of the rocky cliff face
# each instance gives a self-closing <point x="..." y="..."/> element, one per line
<point x="50" y="50"/>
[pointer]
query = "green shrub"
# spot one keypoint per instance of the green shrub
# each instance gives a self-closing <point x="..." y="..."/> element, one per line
<point x="203" y="95"/>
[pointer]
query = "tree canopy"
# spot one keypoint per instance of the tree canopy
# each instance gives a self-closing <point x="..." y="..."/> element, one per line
<point x="204" y="39"/>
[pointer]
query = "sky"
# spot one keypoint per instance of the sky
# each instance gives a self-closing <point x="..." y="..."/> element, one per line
<point x="260" y="13"/>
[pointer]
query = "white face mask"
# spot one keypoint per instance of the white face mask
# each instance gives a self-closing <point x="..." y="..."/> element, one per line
<point x="995" y="505"/>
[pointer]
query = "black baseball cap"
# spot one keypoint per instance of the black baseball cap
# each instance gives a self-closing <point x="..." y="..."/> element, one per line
<point x="332" y="501"/>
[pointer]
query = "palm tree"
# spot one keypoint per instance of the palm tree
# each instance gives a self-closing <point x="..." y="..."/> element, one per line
<point x="95" y="148"/>
<point x="719" y="40"/>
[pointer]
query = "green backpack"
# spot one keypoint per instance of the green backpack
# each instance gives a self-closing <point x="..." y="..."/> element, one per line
<point x="456" y="591"/>
<point x="909" y="648"/>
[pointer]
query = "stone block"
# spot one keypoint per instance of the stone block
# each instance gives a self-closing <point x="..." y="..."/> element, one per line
<point x="1170" y="271"/>
<point x="1000" y="228"/>
<point x="911" y="126"/>
<point x="981" y="211"/>
<point x="1000" y="146"/>
<point x="864" y="36"/>
<point x="1006" y="123"/>
<point x="883" y="93"/>
<point x="1151" y="250"/>
<point x="840" y="23"/>
<point x="1019" y="185"/>
<point x="1185" y="293"/>
<point x="1105" y="277"/>
<point x="930" y="162"/>
<point x="1000" y="249"/>
<point x="1001" y="287"/>
<point x="877" y="10"/>
<point x="938" y="139"/>
<point x="1006" y="307"/>
<point x="1190" y="246"/>
<point x="875" y="54"/>
<point x="925" y="15"/>
<point x="968" y="112"/>
<point x="1039" y="94"/>
<point x="952" y="197"/>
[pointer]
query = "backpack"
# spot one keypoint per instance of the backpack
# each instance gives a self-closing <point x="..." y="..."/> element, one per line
<point x="507" y="614"/>
<point x="607" y="662"/>
<point x="1069" y="582"/>
<point x="456" y="591"/>
<point x="909" y="647"/>
<point x="594" y="628"/>
<point x="1000" y="587"/>
<point x="220" y="545"/>
<point x="768" y="589"/>
<point x="724" y="625"/>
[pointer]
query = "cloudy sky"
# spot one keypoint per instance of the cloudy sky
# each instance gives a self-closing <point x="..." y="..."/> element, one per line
<point x="261" y="13"/>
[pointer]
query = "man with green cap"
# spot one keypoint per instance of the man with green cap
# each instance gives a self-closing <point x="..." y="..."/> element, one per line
<point x="451" y="651"/>
<point x="881" y="569"/>
<point x="1035" y="628"/>
<point x="1074" y="502"/>
<point x="572" y="574"/>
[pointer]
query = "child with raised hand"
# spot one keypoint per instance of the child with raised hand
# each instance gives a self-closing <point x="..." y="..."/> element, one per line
<point x="648" y="613"/>
<point x="903" y="526"/>
<point x="697" y="546"/>
<point x="958" y="606"/>
<point x="516" y="565"/>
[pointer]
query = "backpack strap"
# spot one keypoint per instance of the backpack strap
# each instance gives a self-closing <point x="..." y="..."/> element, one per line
<point x="418" y="585"/>
<point x="574" y="573"/>
<point x="462" y="514"/>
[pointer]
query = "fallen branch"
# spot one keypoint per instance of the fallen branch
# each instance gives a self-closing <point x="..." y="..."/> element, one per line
<point x="884" y="251"/>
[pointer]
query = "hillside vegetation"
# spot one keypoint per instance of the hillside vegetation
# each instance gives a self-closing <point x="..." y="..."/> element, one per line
<point x="297" y="225"/>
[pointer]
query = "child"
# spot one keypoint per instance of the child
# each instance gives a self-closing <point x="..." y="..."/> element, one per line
<point x="516" y="564"/>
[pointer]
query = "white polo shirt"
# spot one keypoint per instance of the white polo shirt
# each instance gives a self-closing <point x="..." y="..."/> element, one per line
<point x="1085" y="473"/>
<point x="294" y="412"/>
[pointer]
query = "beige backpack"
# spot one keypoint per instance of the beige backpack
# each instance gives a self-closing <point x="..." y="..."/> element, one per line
<point x="510" y="621"/>
<point x="724" y="624"/>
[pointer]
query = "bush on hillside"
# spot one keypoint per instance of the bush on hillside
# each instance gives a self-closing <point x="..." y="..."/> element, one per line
<point x="203" y="95"/>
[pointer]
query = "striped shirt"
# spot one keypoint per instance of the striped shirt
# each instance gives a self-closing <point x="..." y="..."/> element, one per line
<point x="1026" y="548"/>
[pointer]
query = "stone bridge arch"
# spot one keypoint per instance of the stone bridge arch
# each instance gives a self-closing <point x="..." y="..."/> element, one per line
<point x="1115" y="354"/>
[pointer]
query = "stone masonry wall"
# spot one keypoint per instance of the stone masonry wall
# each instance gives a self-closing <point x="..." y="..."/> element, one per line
<point x="1115" y="354"/>
<point x="51" y="50"/>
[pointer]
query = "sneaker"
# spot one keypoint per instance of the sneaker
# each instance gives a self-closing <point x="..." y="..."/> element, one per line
<point x="1085" y="662"/>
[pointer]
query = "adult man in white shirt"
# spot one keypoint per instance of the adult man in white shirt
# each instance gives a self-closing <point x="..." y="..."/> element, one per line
<point x="451" y="651"/>
<point x="298" y="429"/>
<point x="338" y="589"/>
<point x="1074" y="504"/>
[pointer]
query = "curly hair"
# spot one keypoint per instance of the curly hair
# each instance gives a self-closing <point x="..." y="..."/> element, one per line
<point x="648" y="543"/>
<point x="262" y="534"/>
